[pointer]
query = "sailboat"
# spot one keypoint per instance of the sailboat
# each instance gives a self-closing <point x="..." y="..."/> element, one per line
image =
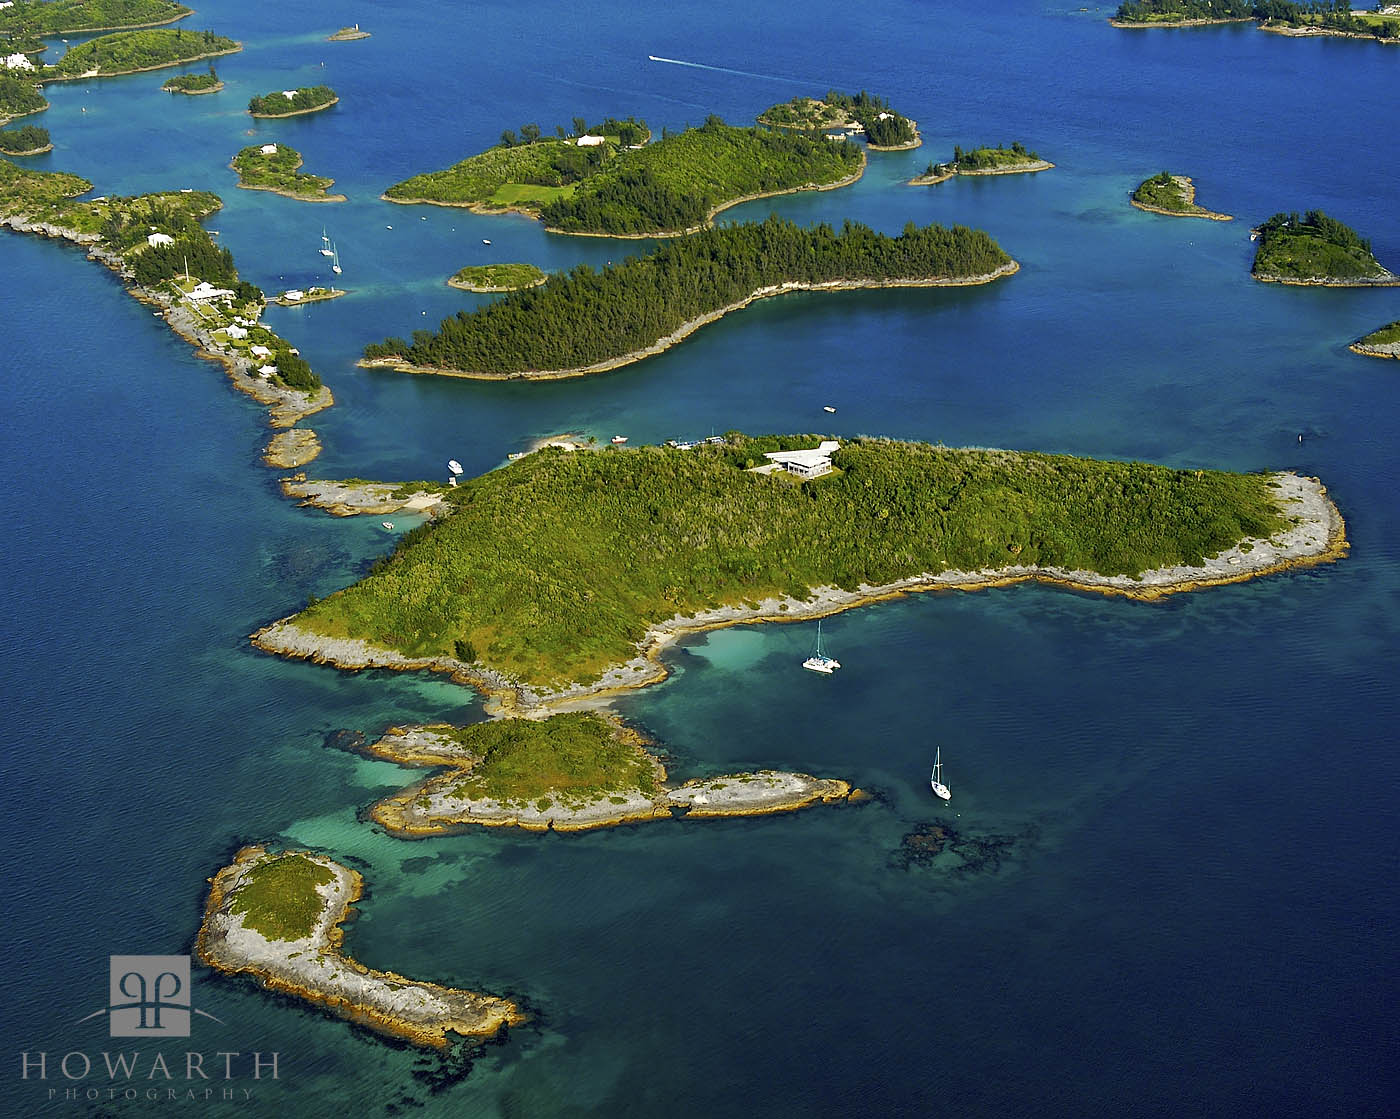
<point x="326" y="249"/>
<point x="335" y="259"/>
<point x="819" y="661"/>
<point x="940" y="790"/>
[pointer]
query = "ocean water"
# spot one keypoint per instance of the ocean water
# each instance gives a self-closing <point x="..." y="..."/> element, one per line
<point x="1172" y="885"/>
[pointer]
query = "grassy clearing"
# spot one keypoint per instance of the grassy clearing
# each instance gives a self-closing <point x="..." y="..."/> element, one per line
<point x="278" y="897"/>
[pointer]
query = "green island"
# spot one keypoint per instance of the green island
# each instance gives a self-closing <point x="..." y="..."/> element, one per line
<point x="1015" y="160"/>
<point x="62" y="17"/>
<point x="194" y="84"/>
<point x="569" y="570"/>
<point x="884" y="129"/>
<point x="348" y="34"/>
<point x="299" y="297"/>
<point x="1384" y="342"/>
<point x="1176" y="13"/>
<point x="19" y="97"/>
<point x="586" y="321"/>
<point x="1317" y="17"/>
<point x="496" y="277"/>
<point x="29" y="140"/>
<point x="293" y="102"/>
<point x="133" y="52"/>
<point x="571" y="771"/>
<point x="276" y="918"/>
<point x="1316" y="249"/>
<point x="1173" y="195"/>
<point x="278" y="171"/>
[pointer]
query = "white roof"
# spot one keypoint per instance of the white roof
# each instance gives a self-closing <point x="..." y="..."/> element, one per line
<point x="267" y="370"/>
<point x="810" y="458"/>
<point x="268" y="149"/>
<point x="18" y="62"/>
<point x="259" y="351"/>
<point x="206" y="290"/>
<point x="236" y="332"/>
<point x="293" y="293"/>
<point x="289" y="94"/>
<point x="154" y="239"/>
<point x="590" y="141"/>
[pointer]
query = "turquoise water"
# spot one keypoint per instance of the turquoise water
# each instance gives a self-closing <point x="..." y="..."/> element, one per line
<point x="1175" y="884"/>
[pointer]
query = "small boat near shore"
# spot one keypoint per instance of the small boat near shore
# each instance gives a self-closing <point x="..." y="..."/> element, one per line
<point x="819" y="661"/>
<point x="619" y="439"/>
<point x="940" y="790"/>
<point x="388" y="524"/>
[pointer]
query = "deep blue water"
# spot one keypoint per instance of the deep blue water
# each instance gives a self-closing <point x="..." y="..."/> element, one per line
<point x="1192" y="803"/>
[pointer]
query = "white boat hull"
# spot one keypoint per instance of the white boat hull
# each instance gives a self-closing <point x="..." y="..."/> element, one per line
<point x="941" y="791"/>
<point x="826" y="665"/>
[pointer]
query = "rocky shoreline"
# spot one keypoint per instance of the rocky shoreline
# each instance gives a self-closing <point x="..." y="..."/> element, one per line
<point x="1188" y="190"/>
<point x="1384" y="349"/>
<point x="315" y="969"/>
<point x="1318" y="537"/>
<point x="293" y="447"/>
<point x="1389" y="280"/>
<point x="351" y="499"/>
<point x="687" y="328"/>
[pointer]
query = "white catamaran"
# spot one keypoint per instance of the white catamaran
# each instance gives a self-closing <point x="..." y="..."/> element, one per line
<point x="940" y="790"/>
<point x="819" y="661"/>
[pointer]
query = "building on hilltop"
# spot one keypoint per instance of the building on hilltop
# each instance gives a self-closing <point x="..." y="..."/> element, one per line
<point x="812" y="462"/>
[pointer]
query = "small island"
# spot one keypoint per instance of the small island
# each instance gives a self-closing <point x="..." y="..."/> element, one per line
<point x="1015" y="160"/>
<point x="1316" y="250"/>
<point x="356" y="497"/>
<point x="29" y="140"/>
<point x="569" y="772"/>
<point x="294" y="447"/>
<point x="134" y="52"/>
<point x="277" y="918"/>
<point x="300" y="297"/>
<point x="1384" y="342"/>
<point x="77" y="17"/>
<point x="275" y="167"/>
<point x="617" y="552"/>
<point x="292" y="102"/>
<point x="489" y="278"/>
<point x="584" y="322"/>
<point x="1173" y="195"/>
<point x="19" y="96"/>
<point x="348" y="34"/>
<point x="194" y="84"/>
<point x="884" y="129"/>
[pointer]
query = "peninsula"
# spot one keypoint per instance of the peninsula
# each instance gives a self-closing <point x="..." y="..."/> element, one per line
<point x="276" y="167"/>
<point x="616" y="552"/>
<point x="1319" y="17"/>
<point x="489" y="278"/>
<point x="29" y="140"/>
<point x="78" y="17"/>
<point x="276" y="917"/>
<point x="884" y="129"/>
<point x="1316" y="249"/>
<point x="292" y="102"/>
<point x="1173" y="195"/>
<point x="569" y="772"/>
<point x="134" y="52"/>
<point x="1384" y="342"/>
<point x="586" y="322"/>
<point x="1015" y="160"/>
<point x="668" y="187"/>
<point x="19" y="96"/>
<point x="352" y="497"/>
<point x="194" y="84"/>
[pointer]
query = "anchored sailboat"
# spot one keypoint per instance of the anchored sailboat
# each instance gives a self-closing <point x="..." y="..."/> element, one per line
<point x="326" y="249"/>
<point x="819" y="661"/>
<point x="940" y="790"/>
<point x="335" y="259"/>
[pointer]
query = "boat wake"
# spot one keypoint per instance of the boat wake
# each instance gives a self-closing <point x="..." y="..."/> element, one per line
<point x="723" y="70"/>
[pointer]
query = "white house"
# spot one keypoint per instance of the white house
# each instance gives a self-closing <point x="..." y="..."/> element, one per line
<point x="259" y="351"/>
<point x="586" y="141"/>
<point x="810" y="463"/>
<point x="289" y="94"/>
<point x="154" y="239"/>
<point x="236" y="332"/>
<point x="18" y="62"/>
<point x="267" y="370"/>
<point x="268" y="149"/>
<point x="293" y="294"/>
<point x="204" y="291"/>
<point x="884" y="116"/>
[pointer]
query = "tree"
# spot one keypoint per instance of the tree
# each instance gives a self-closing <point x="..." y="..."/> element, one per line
<point x="507" y="139"/>
<point x="580" y="126"/>
<point x="529" y="133"/>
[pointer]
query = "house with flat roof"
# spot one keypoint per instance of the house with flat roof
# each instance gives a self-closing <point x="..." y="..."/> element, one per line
<point x="811" y="462"/>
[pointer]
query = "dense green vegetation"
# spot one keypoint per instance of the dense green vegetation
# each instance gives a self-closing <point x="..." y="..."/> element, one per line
<point x="676" y="182"/>
<point x="1176" y="11"/>
<point x="584" y="317"/>
<point x="17" y="141"/>
<point x="23" y="191"/>
<point x="126" y="52"/>
<point x="553" y="567"/>
<point x="192" y="83"/>
<point x="1164" y="192"/>
<point x="1313" y="247"/>
<point x="19" y="96"/>
<point x="59" y="17"/>
<point x="18" y="42"/>
<point x="1384" y="336"/>
<point x="278" y="171"/>
<point x="579" y="755"/>
<point x="990" y="159"/>
<point x="498" y="277"/>
<point x="278" y="897"/>
<point x="882" y="125"/>
<point x="1333" y="15"/>
<point x="305" y="99"/>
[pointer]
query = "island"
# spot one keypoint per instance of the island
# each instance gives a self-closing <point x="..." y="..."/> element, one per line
<point x="156" y="244"/>
<point x="496" y="277"/>
<point x="293" y="102"/>
<point x="1182" y="13"/>
<point x="616" y="552"/>
<point x="19" y="96"/>
<point x="572" y="771"/>
<point x="66" y="17"/>
<point x="1384" y="342"/>
<point x="1316" y="249"/>
<point x="277" y="916"/>
<point x="29" y="140"/>
<point x="276" y="167"/>
<point x="1318" y="17"/>
<point x="194" y="84"/>
<point x="299" y="297"/>
<point x="1015" y="160"/>
<point x="666" y="188"/>
<point x="586" y="322"/>
<point x="353" y="497"/>
<point x="884" y="129"/>
<point x="1173" y="195"/>
<point x="348" y="34"/>
<point x="294" y="447"/>
<point x="134" y="52"/>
